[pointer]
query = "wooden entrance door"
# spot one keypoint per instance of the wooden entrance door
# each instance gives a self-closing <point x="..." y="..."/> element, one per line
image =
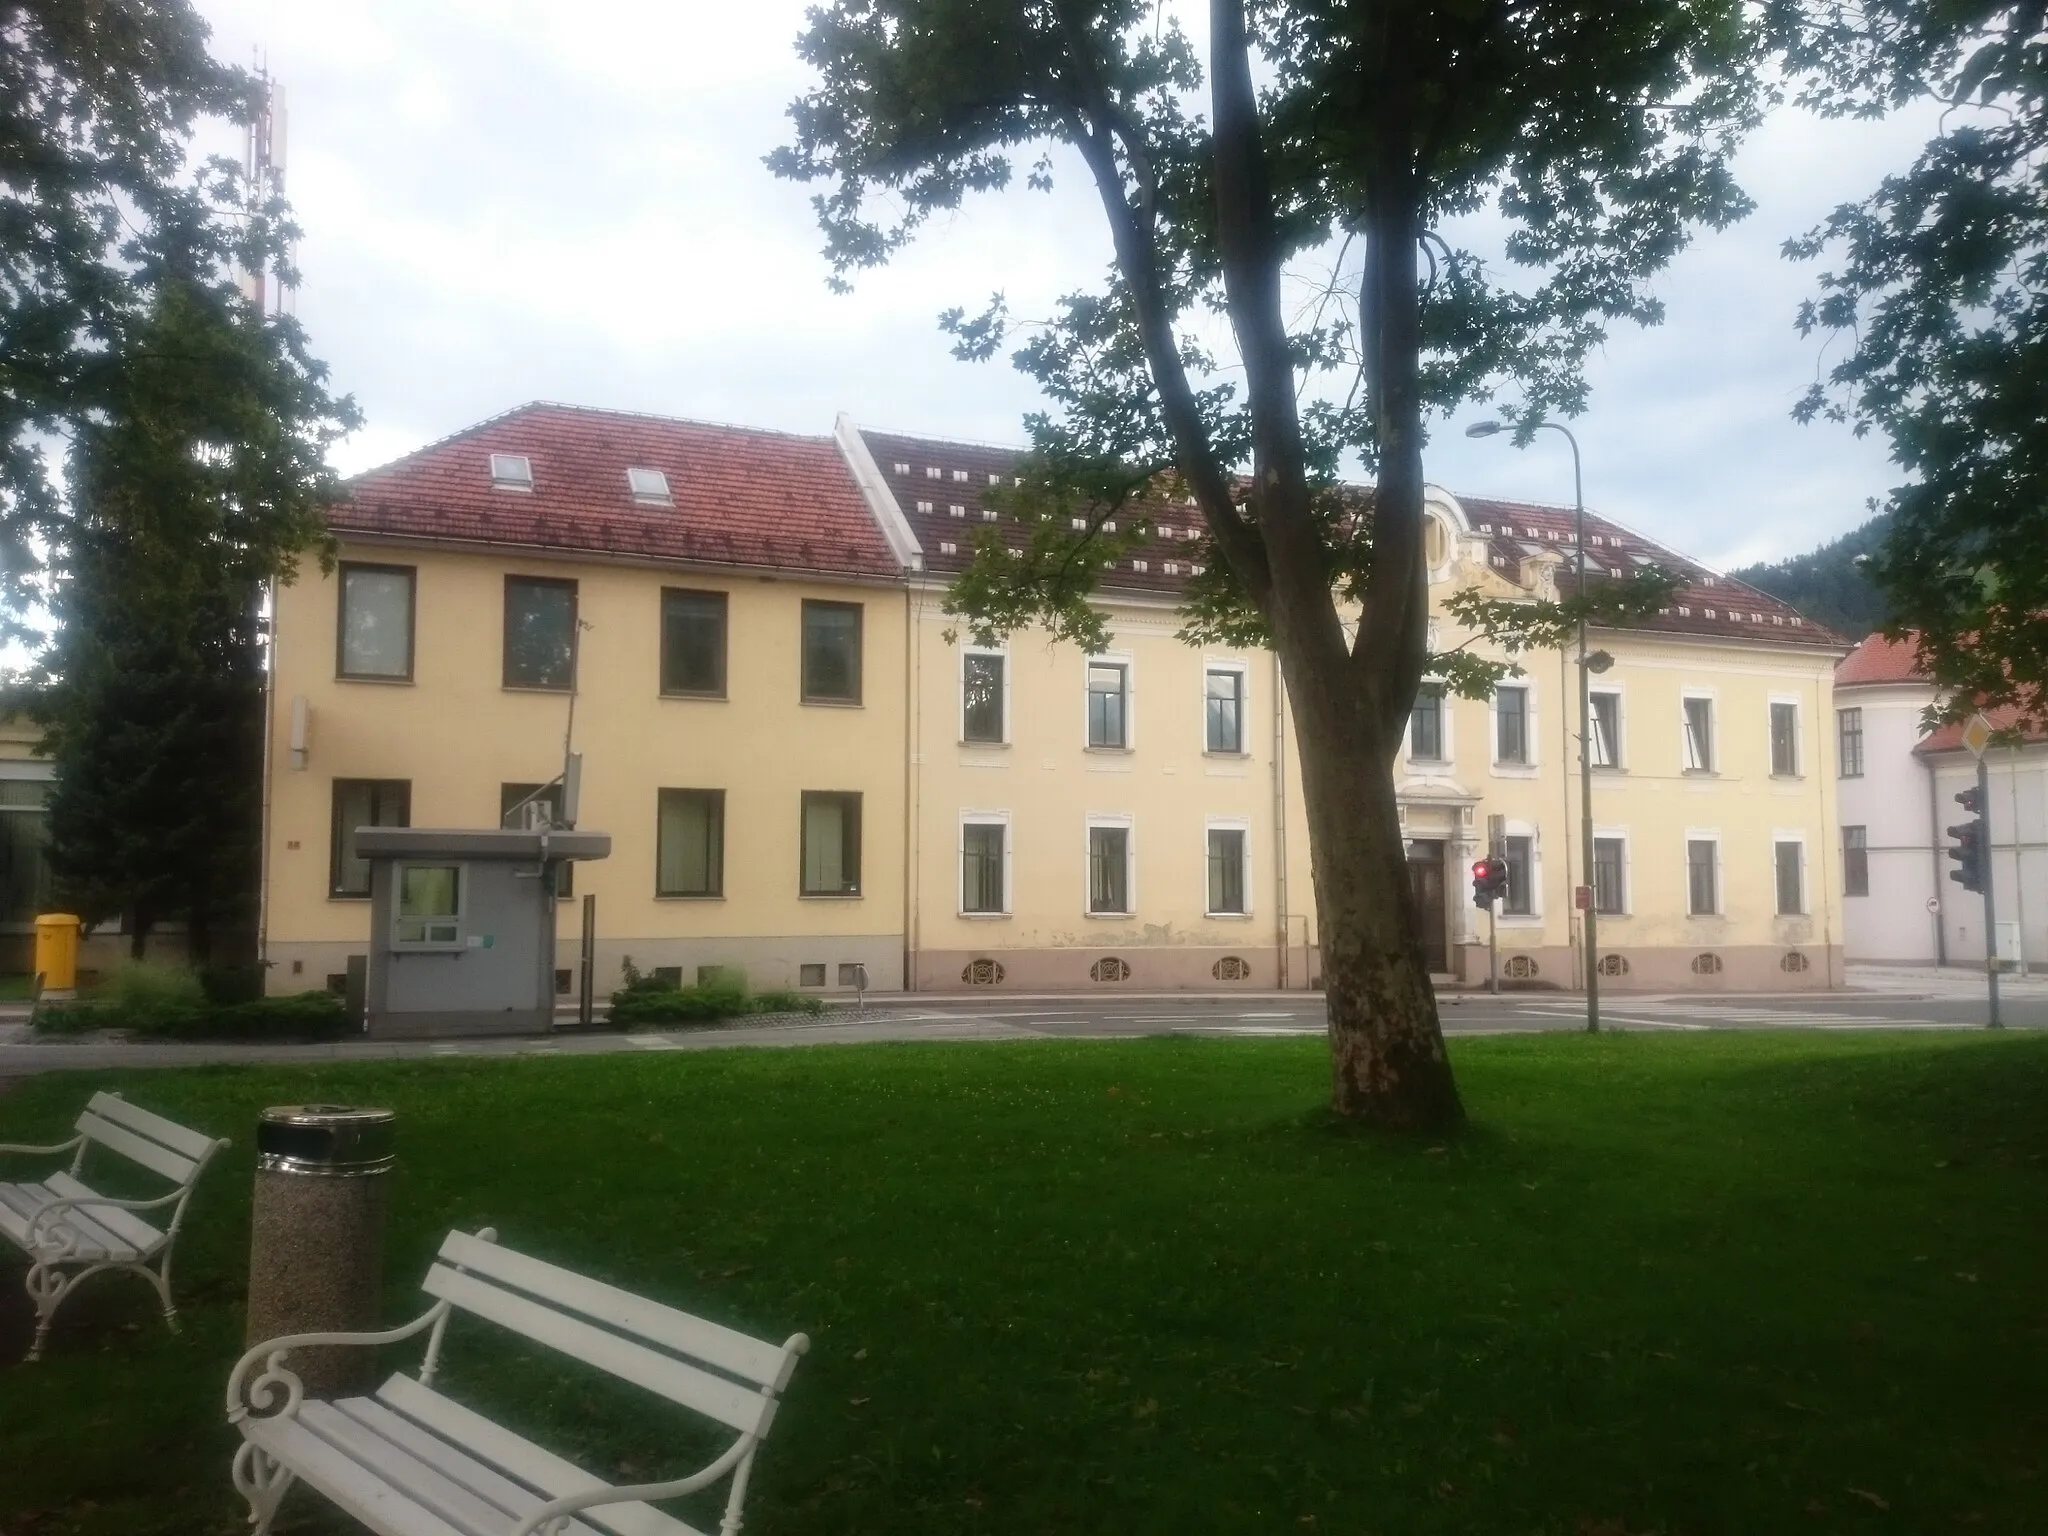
<point x="1426" y="886"/>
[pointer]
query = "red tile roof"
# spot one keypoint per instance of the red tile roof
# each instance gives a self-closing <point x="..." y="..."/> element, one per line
<point x="939" y="486"/>
<point x="1949" y="738"/>
<point x="742" y="497"/>
<point x="1878" y="660"/>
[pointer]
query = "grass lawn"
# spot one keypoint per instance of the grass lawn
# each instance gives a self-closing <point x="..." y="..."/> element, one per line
<point x="1704" y="1283"/>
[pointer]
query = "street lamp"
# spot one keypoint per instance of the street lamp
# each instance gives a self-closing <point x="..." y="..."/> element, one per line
<point x="1598" y="662"/>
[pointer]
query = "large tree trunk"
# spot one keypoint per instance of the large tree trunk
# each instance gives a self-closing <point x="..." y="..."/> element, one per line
<point x="1388" y="1066"/>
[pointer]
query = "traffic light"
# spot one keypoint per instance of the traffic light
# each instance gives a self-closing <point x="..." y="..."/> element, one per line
<point x="1489" y="881"/>
<point x="1971" y="849"/>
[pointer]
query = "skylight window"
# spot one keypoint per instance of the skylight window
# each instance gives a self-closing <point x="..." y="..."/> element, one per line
<point x="511" y="472"/>
<point x="649" y="485"/>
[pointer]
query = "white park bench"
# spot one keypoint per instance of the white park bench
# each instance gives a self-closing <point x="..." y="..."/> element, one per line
<point x="407" y="1461"/>
<point x="70" y="1231"/>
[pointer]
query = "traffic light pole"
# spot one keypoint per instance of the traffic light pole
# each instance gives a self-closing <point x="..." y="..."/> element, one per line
<point x="1493" y="950"/>
<point x="1990" y="902"/>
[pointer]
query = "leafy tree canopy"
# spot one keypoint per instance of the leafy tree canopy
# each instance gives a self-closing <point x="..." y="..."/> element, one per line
<point x="1602" y="136"/>
<point x="1290" y="293"/>
<point x="99" y="212"/>
<point x="1939" y="292"/>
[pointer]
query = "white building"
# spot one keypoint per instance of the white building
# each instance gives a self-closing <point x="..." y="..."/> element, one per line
<point x="1897" y="799"/>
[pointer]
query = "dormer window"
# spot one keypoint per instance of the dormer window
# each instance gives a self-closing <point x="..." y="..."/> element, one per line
<point x="511" y="472"/>
<point x="933" y="472"/>
<point x="902" y="469"/>
<point x="649" y="485"/>
<point x="960" y="475"/>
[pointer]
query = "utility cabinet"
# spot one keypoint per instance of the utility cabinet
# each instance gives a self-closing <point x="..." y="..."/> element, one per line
<point x="462" y="928"/>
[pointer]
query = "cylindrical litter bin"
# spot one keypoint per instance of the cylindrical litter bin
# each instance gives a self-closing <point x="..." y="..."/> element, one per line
<point x="316" y="1238"/>
<point x="57" y="954"/>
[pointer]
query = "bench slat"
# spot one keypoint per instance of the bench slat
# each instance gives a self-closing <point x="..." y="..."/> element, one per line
<point x="130" y="1227"/>
<point x="397" y="1467"/>
<point x="714" y="1396"/>
<point x="760" y="1362"/>
<point x="523" y="1459"/>
<point x="185" y="1142"/>
<point x="15" y="1210"/>
<point x="22" y="1201"/>
<point x="174" y="1166"/>
<point x="321" y="1466"/>
<point x="516" y="1499"/>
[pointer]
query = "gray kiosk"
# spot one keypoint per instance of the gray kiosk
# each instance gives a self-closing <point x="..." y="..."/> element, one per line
<point x="462" y="928"/>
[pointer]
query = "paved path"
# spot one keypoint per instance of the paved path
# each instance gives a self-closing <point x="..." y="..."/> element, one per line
<point x="1916" y="1001"/>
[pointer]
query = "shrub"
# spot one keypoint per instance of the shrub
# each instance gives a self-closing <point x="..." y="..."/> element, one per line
<point x="678" y="1005"/>
<point x="787" y="1002"/>
<point x="295" y="1016"/>
<point x="141" y="989"/>
<point x="302" y="1016"/>
<point x="641" y="1002"/>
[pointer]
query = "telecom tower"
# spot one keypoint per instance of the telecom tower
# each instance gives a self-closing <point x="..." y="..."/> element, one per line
<point x="263" y="166"/>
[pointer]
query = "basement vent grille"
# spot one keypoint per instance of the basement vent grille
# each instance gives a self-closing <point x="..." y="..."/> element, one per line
<point x="982" y="973"/>
<point x="1614" y="965"/>
<point x="1232" y="968"/>
<point x="1109" y="968"/>
<point x="1706" y="964"/>
<point x="1520" y="968"/>
<point x="1794" y="962"/>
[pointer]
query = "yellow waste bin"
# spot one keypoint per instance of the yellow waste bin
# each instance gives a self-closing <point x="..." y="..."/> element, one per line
<point x="57" y="953"/>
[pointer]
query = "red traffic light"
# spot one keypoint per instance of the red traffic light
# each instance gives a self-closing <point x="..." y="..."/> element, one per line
<point x="1971" y="800"/>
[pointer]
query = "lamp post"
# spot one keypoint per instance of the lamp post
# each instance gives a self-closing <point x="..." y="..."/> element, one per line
<point x="1587" y="665"/>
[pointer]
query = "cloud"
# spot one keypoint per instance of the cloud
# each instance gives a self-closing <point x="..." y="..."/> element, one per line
<point x="510" y="201"/>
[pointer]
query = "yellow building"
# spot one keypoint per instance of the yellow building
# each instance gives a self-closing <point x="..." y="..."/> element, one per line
<point x="718" y="612"/>
<point x="804" y="770"/>
<point x="1135" y="818"/>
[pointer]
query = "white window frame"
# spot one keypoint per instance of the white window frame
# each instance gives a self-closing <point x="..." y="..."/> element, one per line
<point x="1713" y="700"/>
<point x="968" y="819"/>
<point x="1244" y="706"/>
<point x="649" y="486"/>
<point x="1445" y="715"/>
<point x="1798" y="738"/>
<point x="505" y="480"/>
<point x="1125" y="660"/>
<point x="1096" y="819"/>
<point x="1531" y="726"/>
<point x="1628" y="870"/>
<point x="1796" y="835"/>
<point x="960" y="693"/>
<point x="1534" y="917"/>
<point x="1705" y="835"/>
<point x="430" y="946"/>
<point x="1615" y="692"/>
<point x="1228" y="824"/>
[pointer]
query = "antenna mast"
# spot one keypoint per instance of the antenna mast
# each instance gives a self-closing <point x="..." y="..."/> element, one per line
<point x="263" y="162"/>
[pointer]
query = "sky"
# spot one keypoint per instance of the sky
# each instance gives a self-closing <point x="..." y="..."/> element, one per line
<point x="511" y="200"/>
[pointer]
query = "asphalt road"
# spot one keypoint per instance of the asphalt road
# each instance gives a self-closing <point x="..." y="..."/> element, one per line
<point x="1922" y="1002"/>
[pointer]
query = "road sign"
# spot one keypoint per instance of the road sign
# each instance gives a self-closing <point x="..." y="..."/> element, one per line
<point x="1582" y="897"/>
<point x="1977" y="734"/>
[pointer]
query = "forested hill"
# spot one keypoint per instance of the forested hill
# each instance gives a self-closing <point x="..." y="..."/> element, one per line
<point x="1828" y="585"/>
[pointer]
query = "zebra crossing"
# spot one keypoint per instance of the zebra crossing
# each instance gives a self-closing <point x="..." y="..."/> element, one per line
<point x="1689" y="1015"/>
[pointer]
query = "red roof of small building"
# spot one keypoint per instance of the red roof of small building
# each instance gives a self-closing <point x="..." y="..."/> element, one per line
<point x="1949" y="738"/>
<point x="740" y="496"/>
<point x="939" y="486"/>
<point x="1878" y="660"/>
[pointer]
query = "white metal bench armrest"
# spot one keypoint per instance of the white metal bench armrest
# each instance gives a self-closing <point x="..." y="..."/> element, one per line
<point x="46" y="1215"/>
<point x="536" y="1524"/>
<point x="62" y="1146"/>
<point x="262" y="1391"/>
